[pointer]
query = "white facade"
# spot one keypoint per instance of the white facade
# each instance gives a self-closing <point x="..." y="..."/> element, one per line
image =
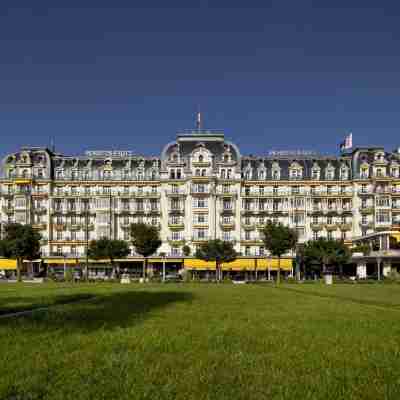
<point x="200" y="188"/>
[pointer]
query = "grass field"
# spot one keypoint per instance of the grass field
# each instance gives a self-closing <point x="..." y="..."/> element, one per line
<point x="200" y="341"/>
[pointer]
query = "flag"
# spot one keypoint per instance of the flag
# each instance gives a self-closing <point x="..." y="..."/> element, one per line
<point x="198" y="121"/>
<point x="347" y="143"/>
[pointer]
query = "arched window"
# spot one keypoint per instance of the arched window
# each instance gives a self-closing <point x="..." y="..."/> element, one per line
<point x="201" y="158"/>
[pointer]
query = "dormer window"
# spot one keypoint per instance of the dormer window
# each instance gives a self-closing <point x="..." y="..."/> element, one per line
<point x="295" y="173"/>
<point x="261" y="175"/>
<point x="315" y="173"/>
<point x="344" y="173"/>
<point x="330" y="174"/>
<point x="394" y="172"/>
<point x="222" y="174"/>
<point x="59" y="174"/>
<point x="226" y="158"/>
<point x="203" y="172"/>
<point x="229" y="174"/>
<point x="380" y="172"/>
<point x="201" y="158"/>
<point x="364" y="172"/>
<point x="25" y="173"/>
<point x="247" y="175"/>
<point x="197" y="172"/>
<point x="275" y="174"/>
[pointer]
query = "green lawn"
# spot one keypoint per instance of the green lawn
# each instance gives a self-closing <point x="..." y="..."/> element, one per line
<point x="202" y="341"/>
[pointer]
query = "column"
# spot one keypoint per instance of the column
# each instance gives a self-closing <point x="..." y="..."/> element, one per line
<point x="361" y="270"/>
<point x="387" y="268"/>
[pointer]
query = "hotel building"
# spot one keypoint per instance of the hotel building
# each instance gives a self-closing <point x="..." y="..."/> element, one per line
<point x="201" y="187"/>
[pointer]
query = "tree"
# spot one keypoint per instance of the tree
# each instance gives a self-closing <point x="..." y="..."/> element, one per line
<point x="20" y="242"/>
<point x="327" y="253"/>
<point x="109" y="249"/>
<point x="146" y="240"/>
<point x="279" y="239"/>
<point x="186" y="250"/>
<point x="219" y="251"/>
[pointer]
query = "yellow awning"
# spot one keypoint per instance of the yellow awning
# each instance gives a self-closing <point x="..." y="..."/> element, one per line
<point x="193" y="263"/>
<point x="7" y="263"/>
<point x="22" y="181"/>
<point x="60" y="261"/>
<point x="241" y="264"/>
<point x="396" y="236"/>
<point x="264" y="263"/>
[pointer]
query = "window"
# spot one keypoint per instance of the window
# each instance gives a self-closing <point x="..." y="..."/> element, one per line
<point x="203" y="172"/>
<point x="261" y="251"/>
<point x="275" y="174"/>
<point x="172" y="174"/>
<point x="247" y="251"/>
<point x="329" y="235"/>
<point x="315" y="174"/>
<point x="330" y="174"/>
<point x="247" y="235"/>
<point x="222" y="174"/>
<point x="59" y="235"/>
<point x="315" y="235"/>
<point x="201" y="158"/>
<point x="197" y="172"/>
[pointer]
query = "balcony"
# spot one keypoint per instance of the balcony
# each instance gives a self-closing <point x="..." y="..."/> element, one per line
<point x="366" y="209"/>
<point x="317" y="226"/>
<point x="176" y="210"/>
<point x="176" y="240"/>
<point x="176" y="224"/>
<point x="74" y="227"/>
<point x="200" y="238"/>
<point x="39" y="226"/>
<point x="227" y="224"/>
<point x="254" y="240"/>
<point x="40" y="210"/>
<point x="345" y="226"/>
<point x="147" y="194"/>
<point x="60" y="226"/>
<point x="200" y="191"/>
<point x="248" y="226"/>
<point x="175" y="193"/>
<point x="226" y="192"/>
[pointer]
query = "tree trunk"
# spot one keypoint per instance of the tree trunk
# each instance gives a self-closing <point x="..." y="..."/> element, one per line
<point x="145" y="268"/>
<point x="19" y="265"/>
<point x="278" y="276"/>
<point x="217" y="271"/>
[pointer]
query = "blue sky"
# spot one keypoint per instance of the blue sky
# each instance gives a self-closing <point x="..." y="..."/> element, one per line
<point x="127" y="74"/>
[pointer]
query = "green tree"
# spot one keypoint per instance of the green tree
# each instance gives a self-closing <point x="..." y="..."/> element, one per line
<point x="110" y="249"/>
<point x="219" y="251"/>
<point x="146" y="240"/>
<point x="20" y="242"/>
<point x="327" y="253"/>
<point x="186" y="250"/>
<point x="279" y="239"/>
